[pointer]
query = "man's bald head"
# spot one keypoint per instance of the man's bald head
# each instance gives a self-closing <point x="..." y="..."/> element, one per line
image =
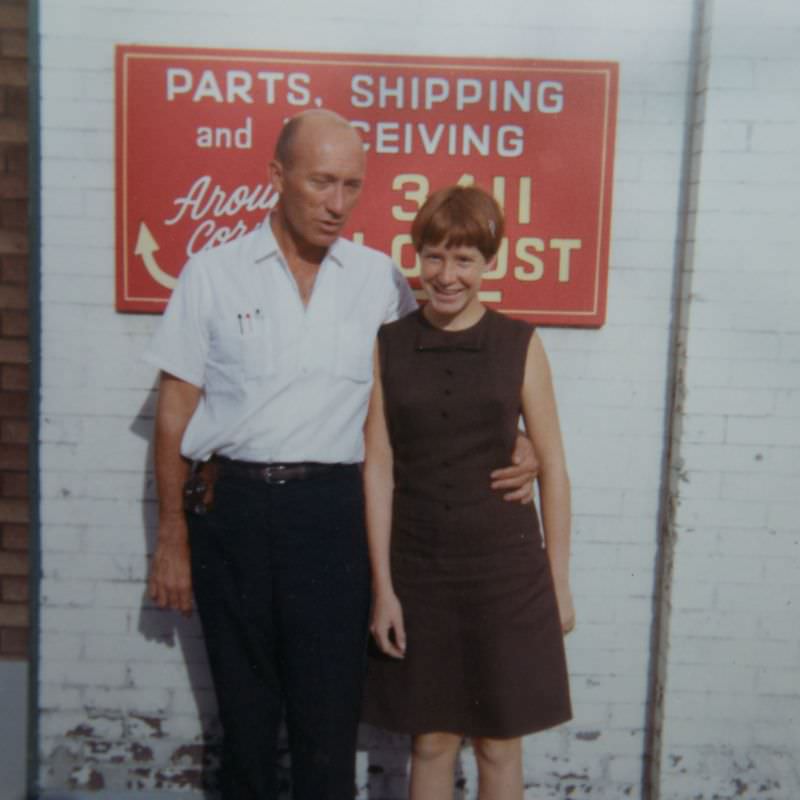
<point x="318" y="171"/>
<point x="308" y="123"/>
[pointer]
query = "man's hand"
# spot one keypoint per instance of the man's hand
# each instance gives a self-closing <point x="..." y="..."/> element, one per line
<point x="517" y="480"/>
<point x="170" y="584"/>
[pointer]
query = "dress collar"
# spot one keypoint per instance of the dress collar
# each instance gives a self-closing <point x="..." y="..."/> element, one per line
<point x="430" y="338"/>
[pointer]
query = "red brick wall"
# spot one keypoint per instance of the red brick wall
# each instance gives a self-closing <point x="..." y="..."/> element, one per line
<point x="14" y="329"/>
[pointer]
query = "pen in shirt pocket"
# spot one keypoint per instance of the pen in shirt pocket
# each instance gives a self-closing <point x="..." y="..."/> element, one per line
<point x="247" y="319"/>
<point x="245" y="323"/>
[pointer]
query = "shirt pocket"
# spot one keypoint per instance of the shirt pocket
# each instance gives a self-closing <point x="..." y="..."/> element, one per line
<point x="354" y="344"/>
<point x="256" y="356"/>
<point x="241" y="350"/>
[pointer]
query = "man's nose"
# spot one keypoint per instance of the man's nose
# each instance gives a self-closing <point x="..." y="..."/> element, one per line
<point x="336" y="200"/>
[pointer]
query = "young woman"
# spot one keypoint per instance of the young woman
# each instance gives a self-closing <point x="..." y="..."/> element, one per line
<point x="469" y="610"/>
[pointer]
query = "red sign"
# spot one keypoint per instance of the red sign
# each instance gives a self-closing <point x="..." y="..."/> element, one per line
<point x="196" y="130"/>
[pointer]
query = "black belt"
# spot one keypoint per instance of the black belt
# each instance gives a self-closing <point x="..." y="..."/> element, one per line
<point x="275" y="473"/>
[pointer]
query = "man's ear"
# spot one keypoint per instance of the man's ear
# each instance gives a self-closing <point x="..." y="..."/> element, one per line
<point x="276" y="175"/>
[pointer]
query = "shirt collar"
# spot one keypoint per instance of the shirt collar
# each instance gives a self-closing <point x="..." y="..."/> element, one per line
<point x="335" y="253"/>
<point x="268" y="246"/>
<point x="431" y="338"/>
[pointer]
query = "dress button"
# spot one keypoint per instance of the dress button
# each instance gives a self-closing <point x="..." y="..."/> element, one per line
<point x="445" y="415"/>
<point x="445" y="463"/>
<point x="448" y="371"/>
<point x="448" y="392"/>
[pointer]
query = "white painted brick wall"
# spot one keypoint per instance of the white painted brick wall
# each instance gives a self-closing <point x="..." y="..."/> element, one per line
<point x="733" y="694"/>
<point x="116" y="674"/>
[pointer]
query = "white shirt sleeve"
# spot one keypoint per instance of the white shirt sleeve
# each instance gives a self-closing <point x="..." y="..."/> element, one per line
<point x="403" y="301"/>
<point x="180" y="343"/>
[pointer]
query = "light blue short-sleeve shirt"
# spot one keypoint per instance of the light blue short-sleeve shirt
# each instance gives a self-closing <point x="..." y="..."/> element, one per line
<point x="281" y="382"/>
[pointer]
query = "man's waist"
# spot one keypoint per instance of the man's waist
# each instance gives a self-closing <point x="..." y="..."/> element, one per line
<point x="279" y="472"/>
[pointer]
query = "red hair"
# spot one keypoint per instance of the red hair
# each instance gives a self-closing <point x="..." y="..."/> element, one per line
<point x="460" y="216"/>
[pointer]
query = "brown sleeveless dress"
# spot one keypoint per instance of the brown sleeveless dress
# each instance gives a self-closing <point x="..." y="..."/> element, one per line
<point x="485" y="652"/>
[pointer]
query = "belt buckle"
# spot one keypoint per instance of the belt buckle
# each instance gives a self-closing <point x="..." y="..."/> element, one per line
<point x="271" y="473"/>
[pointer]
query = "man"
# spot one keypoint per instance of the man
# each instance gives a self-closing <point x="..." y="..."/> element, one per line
<point x="265" y="355"/>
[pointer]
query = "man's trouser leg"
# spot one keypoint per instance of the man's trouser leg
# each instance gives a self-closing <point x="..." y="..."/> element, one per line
<point x="322" y="610"/>
<point x="281" y="581"/>
<point x="232" y="581"/>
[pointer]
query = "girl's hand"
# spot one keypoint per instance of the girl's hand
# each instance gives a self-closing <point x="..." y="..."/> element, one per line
<point x="387" y="626"/>
<point x="566" y="608"/>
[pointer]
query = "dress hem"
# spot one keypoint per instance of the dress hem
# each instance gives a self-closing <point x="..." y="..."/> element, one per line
<point x="473" y="733"/>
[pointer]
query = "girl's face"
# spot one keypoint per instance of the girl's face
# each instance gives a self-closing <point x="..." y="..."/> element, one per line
<point x="451" y="277"/>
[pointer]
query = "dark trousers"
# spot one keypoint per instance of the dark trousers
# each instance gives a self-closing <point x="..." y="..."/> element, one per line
<point x="281" y="582"/>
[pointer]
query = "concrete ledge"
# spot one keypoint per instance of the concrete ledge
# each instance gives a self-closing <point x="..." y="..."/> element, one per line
<point x="146" y="794"/>
<point x="13" y="729"/>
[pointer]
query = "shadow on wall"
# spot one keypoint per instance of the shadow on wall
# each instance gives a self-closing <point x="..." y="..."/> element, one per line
<point x="158" y="735"/>
<point x="383" y="766"/>
<point x="193" y="764"/>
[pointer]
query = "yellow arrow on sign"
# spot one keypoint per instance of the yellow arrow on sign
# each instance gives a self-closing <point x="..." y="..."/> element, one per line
<point x="146" y="245"/>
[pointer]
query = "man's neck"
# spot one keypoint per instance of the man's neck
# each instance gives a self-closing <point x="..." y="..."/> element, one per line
<point x="299" y="255"/>
<point x="302" y="259"/>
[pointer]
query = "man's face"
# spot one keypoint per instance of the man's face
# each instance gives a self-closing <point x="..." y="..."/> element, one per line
<point x="322" y="183"/>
